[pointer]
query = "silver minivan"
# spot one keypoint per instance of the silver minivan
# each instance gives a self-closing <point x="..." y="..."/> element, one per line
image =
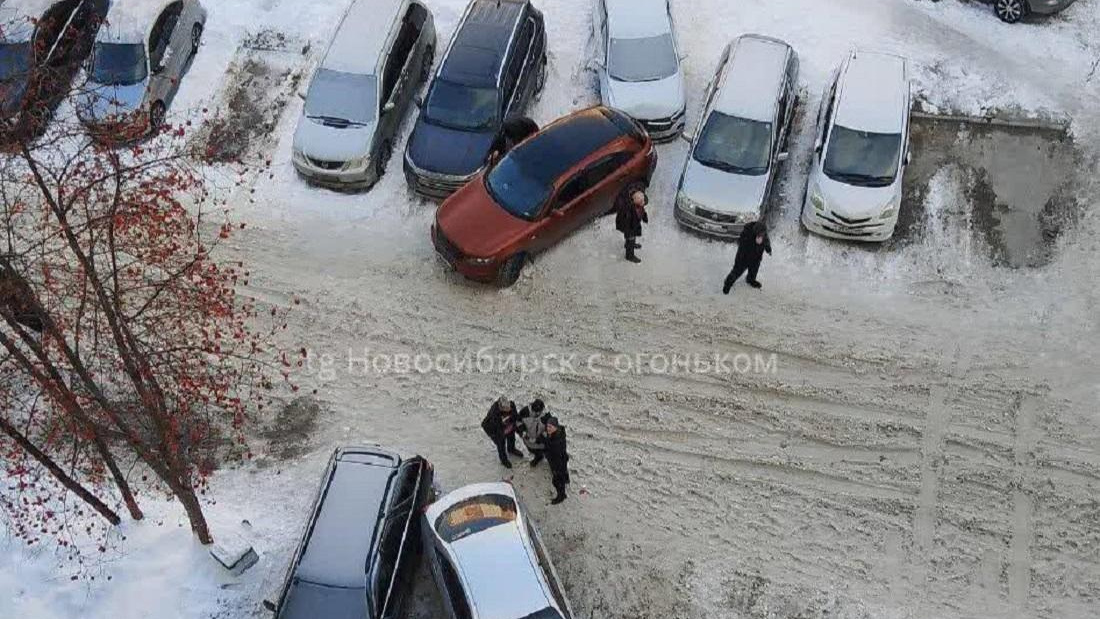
<point x="138" y="61"/>
<point x="854" y="188"/>
<point x="733" y="161"/>
<point x="381" y="53"/>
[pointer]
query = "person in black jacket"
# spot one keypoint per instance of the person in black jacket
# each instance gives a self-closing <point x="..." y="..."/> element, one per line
<point x="557" y="456"/>
<point x="500" y="425"/>
<point x="751" y="247"/>
<point x="630" y="215"/>
<point x="512" y="132"/>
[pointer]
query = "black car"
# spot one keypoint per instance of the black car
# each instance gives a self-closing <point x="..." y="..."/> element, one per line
<point x="362" y="545"/>
<point x="494" y="67"/>
<point x="42" y="46"/>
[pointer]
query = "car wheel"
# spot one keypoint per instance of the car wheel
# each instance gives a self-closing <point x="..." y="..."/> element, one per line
<point x="384" y="154"/>
<point x="510" y="272"/>
<point x="196" y="38"/>
<point x="156" y="116"/>
<point x="1010" y="11"/>
<point x="426" y="68"/>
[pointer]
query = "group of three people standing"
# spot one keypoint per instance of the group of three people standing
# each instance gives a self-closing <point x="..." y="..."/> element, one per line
<point x="541" y="432"/>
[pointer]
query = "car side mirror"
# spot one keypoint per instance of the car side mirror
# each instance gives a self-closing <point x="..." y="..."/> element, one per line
<point x="271" y="606"/>
<point x="783" y="157"/>
<point x="557" y="213"/>
<point x="418" y="100"/>
<point x="687" y="137"/>
<point x="817" y="145"/>
<point x="908" y="156"/>
<point x="388" y="107"/>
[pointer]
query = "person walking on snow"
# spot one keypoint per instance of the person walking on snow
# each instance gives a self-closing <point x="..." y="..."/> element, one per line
<point x="751" y="247"/>
<point x="532" y="429"/>
<point x="556" y="451"/>
<point x="630" y="215"/>
<point x="500" y="425"/>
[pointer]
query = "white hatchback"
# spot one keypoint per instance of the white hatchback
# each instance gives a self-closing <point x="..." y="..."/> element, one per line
<point x="488" y="559"/>
<point x="638" y="63"/>
<point x="854" y="189"/>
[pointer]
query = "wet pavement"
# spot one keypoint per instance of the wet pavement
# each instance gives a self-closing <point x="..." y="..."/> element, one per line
<point x="1005" y="192"/>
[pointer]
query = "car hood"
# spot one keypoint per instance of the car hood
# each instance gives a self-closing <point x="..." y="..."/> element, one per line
<point x="449" y="151"/>
<point x="648" y="100"/>
<point x="476" y="224"/>
<point x="317" y="140"/>
<point x="724" y="192"/>
<point x="854" y="202"/>
<point x="484" y="556"/>
<point x="103" y="102"/>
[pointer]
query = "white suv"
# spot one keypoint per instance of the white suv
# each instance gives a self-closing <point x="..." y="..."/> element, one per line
<point x="855" y="185"/>
<point x="638" y="63"/>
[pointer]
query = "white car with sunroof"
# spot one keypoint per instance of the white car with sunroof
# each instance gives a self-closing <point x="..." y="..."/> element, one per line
<point x="638" y="63"/>
<point x="488" y="559"/>
<point x="854" y="189"/>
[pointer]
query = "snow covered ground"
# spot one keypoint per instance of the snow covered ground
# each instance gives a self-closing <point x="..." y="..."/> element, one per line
<point x="928" y="445"/>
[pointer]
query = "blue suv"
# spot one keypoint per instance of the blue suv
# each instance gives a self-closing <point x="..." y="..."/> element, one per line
<point x="494" y="67"/>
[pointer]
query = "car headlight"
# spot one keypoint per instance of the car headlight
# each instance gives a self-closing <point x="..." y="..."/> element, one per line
<point x="355" y="164"/>
<point x="817" y="200"/>
<point x="684" y="203"/>
<point x="889" y="211"/>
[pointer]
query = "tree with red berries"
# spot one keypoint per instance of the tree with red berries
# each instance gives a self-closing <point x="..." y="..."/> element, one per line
<point x="123" y="340"/>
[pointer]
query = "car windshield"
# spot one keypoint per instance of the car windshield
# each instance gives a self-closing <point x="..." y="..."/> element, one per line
<point x="118" y="64"/>
<point x="15" y="60"/>
<point x="647" y="59"/>
<point x="344" y="98"/>
<point x="518" y="185"/>
<point x="462" y="107"/>
<point x="475" y="515"/>
<point x="733" y="144"/>
<point x="862" y="158"/>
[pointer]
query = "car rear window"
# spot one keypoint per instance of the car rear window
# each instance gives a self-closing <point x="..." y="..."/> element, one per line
<point x="475" y="515"/>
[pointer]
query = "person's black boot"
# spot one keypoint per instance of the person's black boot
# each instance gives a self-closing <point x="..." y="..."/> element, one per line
<point x="726" y="287"/>
<point x="756" y="284"/>
<point x="558" y="499"/>
<point x="630" y="254"/>
<point x="535" y="461"/>
<point x="506" y="464"/>
<point x="517" y="453"/>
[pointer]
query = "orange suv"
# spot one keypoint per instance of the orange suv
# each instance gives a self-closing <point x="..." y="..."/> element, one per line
<point x="545" y="188"/>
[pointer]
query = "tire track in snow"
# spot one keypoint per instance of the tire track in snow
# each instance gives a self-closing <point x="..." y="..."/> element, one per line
<point x="1022" y="507"/>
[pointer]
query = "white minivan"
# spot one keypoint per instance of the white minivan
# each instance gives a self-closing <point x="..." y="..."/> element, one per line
<point x="854" y="189"/>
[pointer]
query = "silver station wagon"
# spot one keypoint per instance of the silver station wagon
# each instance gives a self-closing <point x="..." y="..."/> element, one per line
<point x="383" y="50"/>
<point x="733" y="161"/>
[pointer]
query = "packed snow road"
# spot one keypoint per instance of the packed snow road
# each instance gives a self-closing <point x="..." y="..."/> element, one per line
<point x="897" y="432"/>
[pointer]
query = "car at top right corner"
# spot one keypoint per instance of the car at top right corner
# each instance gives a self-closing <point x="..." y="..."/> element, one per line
<point x="1012" y="11"/>
<point x="854" y="189"/>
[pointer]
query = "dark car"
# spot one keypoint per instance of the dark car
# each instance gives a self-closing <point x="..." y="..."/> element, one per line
<point x="542" y="190"/>
<point x="1012" y="11"/>
<point x="494" y="67"/>
<point x="42" y="46"/>
<point x="362" y="543"/>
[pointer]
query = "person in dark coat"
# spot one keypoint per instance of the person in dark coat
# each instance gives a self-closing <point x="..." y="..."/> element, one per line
<point x="751" y="247"/>
<point x="500" y="425"/>
<point x="532" y="429"/>
<point x="630" y="214"/>
<point x="557" y="456"/>
<point x="512" y="132"/>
